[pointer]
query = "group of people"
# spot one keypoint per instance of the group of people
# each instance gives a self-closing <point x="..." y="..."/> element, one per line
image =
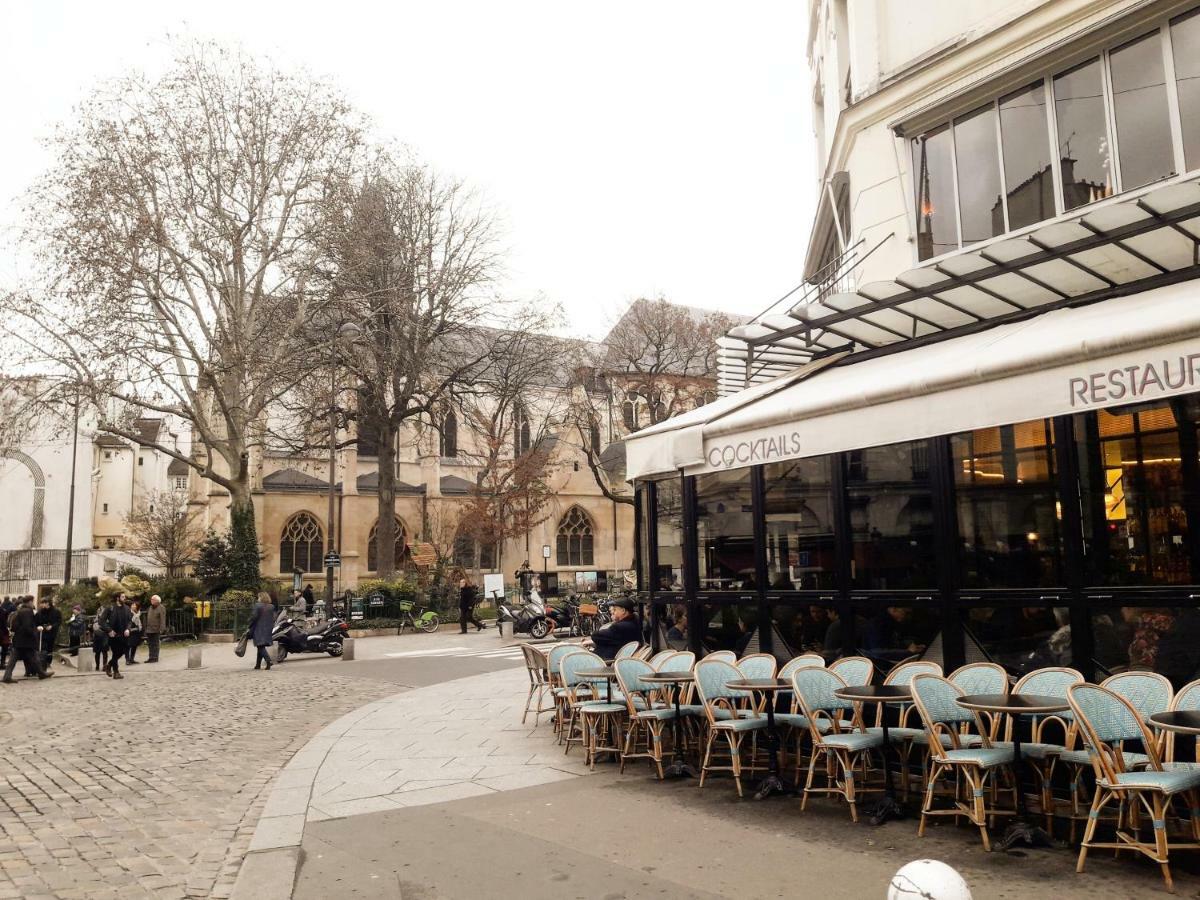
<point x="120" y="628"/>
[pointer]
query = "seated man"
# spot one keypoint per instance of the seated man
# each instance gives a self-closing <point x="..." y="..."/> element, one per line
<point x="620" y="631"/>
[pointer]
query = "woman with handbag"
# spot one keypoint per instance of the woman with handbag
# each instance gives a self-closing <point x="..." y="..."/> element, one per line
<point x="262" y="623"/>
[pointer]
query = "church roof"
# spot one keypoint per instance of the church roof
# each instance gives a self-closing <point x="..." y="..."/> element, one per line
<point x="369" y="484"/>
<point x="452" y="484"/>
<point x="291" y="480"/>
<point x="178" y="467"/>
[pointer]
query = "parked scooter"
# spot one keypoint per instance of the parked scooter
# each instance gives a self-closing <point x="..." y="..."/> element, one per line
<point x="326" y="637"/>
<point x="528" y="618"/>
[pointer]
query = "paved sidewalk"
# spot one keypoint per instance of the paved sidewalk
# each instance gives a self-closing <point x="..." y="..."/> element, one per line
<point x="445" y="742"/>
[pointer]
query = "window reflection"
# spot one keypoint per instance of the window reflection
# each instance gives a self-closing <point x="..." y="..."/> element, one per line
<point x="1020" y="638"/>
<point x="1083" y="150"/>
<point x="981" y="209"/>
<point x="933" y="176"/>
<point x="644" y="580"/>
<point x="1008" y="518"/>
<point x="669" y="510"/>
<point x="1140" y="106"/>
<point x="799" y="514"/>
<point x="889" y="633"/>
<point x="730" y="626"/>
<point x="1185" y="49"/>
<point x="1162" y="639"/>
<point x="1028" y="181"/>
<point x="891" y="516"/>
<point x="725" y="529"/>
<point x="802" y="627"/>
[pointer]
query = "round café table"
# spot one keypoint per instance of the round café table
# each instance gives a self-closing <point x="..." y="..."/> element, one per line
<point x="1181" y="721"/>
<point x="608" y="673"/>
<point x="674" y="682"/>
<point x="887" y="807"/>
<point x="767" y="688"/>
<point x="1023" y="829"/>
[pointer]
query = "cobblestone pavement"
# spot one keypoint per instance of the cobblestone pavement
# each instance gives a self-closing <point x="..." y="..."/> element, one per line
<point x="150" y="787"/>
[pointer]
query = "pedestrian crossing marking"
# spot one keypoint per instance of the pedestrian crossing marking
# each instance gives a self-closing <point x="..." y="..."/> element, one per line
<point x="513" y="653"/>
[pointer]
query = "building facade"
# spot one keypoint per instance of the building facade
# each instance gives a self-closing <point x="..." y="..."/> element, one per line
<point x="973" y="435"/>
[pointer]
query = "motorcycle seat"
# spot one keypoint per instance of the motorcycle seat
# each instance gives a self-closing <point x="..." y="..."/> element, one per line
<point x="316" y="629"/>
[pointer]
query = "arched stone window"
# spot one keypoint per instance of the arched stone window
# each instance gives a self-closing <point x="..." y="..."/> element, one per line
<point x="575" y="539"/>
<point x="521" y="435"/>
<point x="448" y="439"/>
<point x="629" y="413"/>
<point x="401" y="545"/>
<point x="302" y="544"/>
<point x="464" y="553"/>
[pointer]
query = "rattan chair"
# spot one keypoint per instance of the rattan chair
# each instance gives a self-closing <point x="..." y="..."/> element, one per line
<point x="804" y="661"/>
<point x="1188" y="698"/>
<point x="539" y="684"/>
<point x="724" y="717"/>
<point x="627" y="650"/>
<point x="854" y="670"/>
<point x="647" y="717"/>
<point x="1106" y="720"/>
<point x="904" y="734"/>
<point x="1039" y="752"/>
<point x="559" y="693"/>
<point x="659" y="657"/>
<point x="589" y="719"/>
<point x="643" y="652"/>
<point x="727" y="656"/>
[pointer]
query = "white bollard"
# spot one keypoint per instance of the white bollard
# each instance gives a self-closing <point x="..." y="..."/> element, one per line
<point x="928" y="879"/>
<point x="505" y="629"/>
<point x="85" y="662"/>
<point x="195" y="652"/>
<point x="348" y="649"/>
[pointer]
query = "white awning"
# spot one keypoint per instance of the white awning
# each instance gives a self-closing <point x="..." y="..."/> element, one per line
<point x="1131" y="349"/>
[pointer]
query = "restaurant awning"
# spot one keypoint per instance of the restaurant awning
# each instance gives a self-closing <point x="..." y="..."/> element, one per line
<point x="1144" y="346"/>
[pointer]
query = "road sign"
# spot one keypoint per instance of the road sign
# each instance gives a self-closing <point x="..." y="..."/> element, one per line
<point x="332" y="560"/>
<point x="375" y="598"/>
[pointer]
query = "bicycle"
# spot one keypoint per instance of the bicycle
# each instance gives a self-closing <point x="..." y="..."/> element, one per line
<point x="417" y="617"/>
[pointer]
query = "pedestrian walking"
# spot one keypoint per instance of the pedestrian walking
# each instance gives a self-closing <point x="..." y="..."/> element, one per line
<point x="467" y="598"/>
<point x="49" y="619"/>
<point x="76" y="626"/>
<point x="135" y="632"/>
<point x="154" y="626"/>
<point x="262" y="623"/>
<point x="116" y="626"/>
<point x="100" y="638"/>
<point x="26" y="641"/>
<point x="309" y="600"/>
<point x="7" y="608"/>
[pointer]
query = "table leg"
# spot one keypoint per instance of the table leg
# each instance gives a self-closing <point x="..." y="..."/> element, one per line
<point x="772" y="783"/>
<point x="887" y="807"/>
<point x="679" y="768"/>
<point x="1022" y="830"/>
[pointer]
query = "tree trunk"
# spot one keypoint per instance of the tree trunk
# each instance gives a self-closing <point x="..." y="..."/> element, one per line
<point x="385" y="531"/>
<point x="243" y="537"/>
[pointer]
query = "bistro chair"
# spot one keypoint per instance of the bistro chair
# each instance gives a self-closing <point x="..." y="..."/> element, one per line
<point x="677" y="661"/>
<point x="587" y="716"/>
<point x="807" y="660"/>
<point x="793" y="723"/>
<point x="1038" y="752"/>
<point x="659" y="657"/>
<point x="554" y="679"/>
<point x="757" y="666"/>
<point x="727" y="656"/>
<point x="643" y="652"/>
<point x="841" y="751"/>
<point x="935" y="699"/>
<point x="627" y="650"/>
<point x="904" y="735"/>
<point x="646" y="717"/>
<point x="720" y="704"/>
<point x="854" y="670"/>
<point x="982" y="678"/>
<point x="1105" y="720"/>
<point x="1188" y="698"/>
<point x="539" y="684"/>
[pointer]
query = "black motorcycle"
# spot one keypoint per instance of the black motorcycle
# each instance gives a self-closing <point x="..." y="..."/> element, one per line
<point x="529" y="618"/>
<point x="325" y="637"/>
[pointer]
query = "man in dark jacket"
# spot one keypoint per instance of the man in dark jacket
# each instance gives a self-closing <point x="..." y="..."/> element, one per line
<point x="620" y="631"/>
<point x="25" y="641"/>
<point x="7" y="608"/>
<point x="467" y="598"/>
<point x="262" y="623"/>
<point x="309" y="599"/>
<point x="154" y="626"/>
<point x="115" y="623"/>
<point x="50" y="619"/>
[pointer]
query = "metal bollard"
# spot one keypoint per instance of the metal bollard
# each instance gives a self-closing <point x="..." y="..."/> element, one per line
<point x="85" y="662"/>
<point x="194" y="654"/>
<point x="348" y="649"/>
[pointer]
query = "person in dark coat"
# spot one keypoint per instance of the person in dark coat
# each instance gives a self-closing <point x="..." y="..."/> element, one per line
<point x="76" y="626"/>
<point x="262" y="623"/>
<point x="309" y="599"/>
<point x="50" y="619"/>
<point x="116" y="624"/>
<point x="26" y="641"/>
<point x="620" y="631"/>
<point x="7" y="608"/>
<point x="467" y="598"/>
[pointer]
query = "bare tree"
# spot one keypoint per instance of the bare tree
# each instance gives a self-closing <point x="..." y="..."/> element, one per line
<point x="179" y="227"/>
<point x="412" y="258"/>
<point x="165" y="529"/>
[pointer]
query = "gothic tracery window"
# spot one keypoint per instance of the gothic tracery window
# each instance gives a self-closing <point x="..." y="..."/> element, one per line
<point x="373" y="545"/>
<point x="575" y="539"/>
<point x="302" y="544"/>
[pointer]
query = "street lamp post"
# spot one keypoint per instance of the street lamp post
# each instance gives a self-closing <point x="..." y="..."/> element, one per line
<point x="347" y="331"/>
<point x="545" y="566"/>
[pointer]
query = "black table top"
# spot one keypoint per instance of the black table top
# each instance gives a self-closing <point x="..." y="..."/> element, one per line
<point x="757" y="684"/>
<point x="607" y="672"/>
<point x="669" y="677"/>
<point x="1013" y="703"/>
<point x="875" y="693"/>
<point x="1184" y="721"/>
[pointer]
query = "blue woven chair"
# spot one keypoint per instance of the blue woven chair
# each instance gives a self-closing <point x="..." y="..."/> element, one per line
<point x="724" y="717"/>
<point x="793" y="724"/>
<point x="842" y="751"/>
<point x="1038" y="752"/>
<point x="722" y="656"/>
<point x="1105" y="721"/>
<point x="971" y="767"/>
<point x="659" y="657"/>
<point x="627" y="650"/>
<point x="560" y="694"/>
<point x="903" y="735"/>
<point x="806" y="661"/>
<point x="854" y="670"/>
<point x="757" y="666"/>
<point x="677" y="661"/>
<point x="1188" y="698"/>
<point x="587" y="715"/>
<point x="647" y="717"/>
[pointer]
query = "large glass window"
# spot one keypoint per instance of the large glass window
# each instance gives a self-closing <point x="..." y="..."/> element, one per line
<point x="1083" y="153"/>
<point x="1136" y="524"/>
<point x="799" y="514"/>
<point x="729" y="626"/>
<point x="1139" y="88"/>
<point x="1008" y="518"/>
<point x="1028" y="180"/>
<point x="1020" y="638"/>
<point x="933" y="175"/>
<point x="890" y="632"/>
<point x="1163" y="639"/>
<point x="891" y="516"/>
<point x="805" y="627"/>
<point x="643" y="507"/>
<point x="668" y="501"/>
<point x="980" y="204"/>
<point x="725" y="530"/>
<point x="1185" y="50"/>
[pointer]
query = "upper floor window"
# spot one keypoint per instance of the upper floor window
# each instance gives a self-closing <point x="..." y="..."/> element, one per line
<point x="521" y="436"/>
<point x="448" y="438"/>
<point x="1111" y="123"/>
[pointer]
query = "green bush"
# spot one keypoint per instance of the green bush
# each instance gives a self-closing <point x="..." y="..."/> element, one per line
<point x="393" y="590"/>
<point x="126" y="570"/>
<point x="239" y="598"/>
<point x="84" y="593"/>
<point x="173" y="590"/>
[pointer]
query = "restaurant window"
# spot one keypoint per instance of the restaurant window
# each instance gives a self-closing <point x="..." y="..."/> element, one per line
<point x="1161" y="639"/>
<point x="891" y="517"/>
<point x="1185" y="47"/>
<point x="933" y="175"/>
<point x="1139" y="87"/>
<point x="1136" y="528"/>
<point x="1028" y="180"/>
<point x="1083" y="153"/>
<point x="803" y="626"/>
<point x="729" y="626"/>
<point x="799" y="525"/>
<point x="668" y="503"/>
<point x="1019" y="637"/>
<point x="725" y="530"/>
<point x="981" y="208"/>
<point x="888" y="631"/>
<point x="1008" y="516"/>
<point x="673" y="626"/>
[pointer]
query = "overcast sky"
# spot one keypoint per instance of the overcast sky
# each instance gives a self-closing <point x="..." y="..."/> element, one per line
<point x="631" y="148"/>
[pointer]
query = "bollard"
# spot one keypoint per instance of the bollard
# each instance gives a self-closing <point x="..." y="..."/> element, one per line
<point x="85" y="662"/>
<point x="348" y="649"/>
<point x="505" y="629"/>
<point x="272" y="653"/>
<point x="194" y="654"/>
